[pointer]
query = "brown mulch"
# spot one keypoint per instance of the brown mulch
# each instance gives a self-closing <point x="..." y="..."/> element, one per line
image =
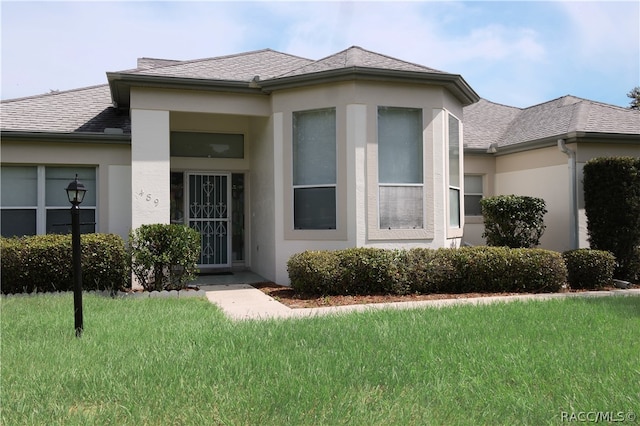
<point x="288" y="297"/>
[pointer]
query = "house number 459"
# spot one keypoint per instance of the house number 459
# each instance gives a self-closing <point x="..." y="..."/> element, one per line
<point x="149" y="198"/>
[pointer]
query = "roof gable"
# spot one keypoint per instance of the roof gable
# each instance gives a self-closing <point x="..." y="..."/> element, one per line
<point x="357" y="57"/>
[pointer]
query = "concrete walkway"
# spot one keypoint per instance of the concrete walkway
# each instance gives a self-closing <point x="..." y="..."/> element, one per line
<point x="242" y="301"/>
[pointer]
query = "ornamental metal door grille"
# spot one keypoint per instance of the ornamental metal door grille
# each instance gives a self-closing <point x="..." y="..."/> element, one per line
<point x="208" y="208"/>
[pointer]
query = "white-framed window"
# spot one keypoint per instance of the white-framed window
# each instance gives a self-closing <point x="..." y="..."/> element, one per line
<point x="400" y="168"/>
<point x="314" y="169"/>
<point x="34" y="200"/>
<point x="473" y="193"/>
<point x="454" y="172"/>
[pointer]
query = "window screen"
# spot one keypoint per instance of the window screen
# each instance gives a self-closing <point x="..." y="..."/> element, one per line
<point x="400" y="168"/>
<point x="314" y="169"/>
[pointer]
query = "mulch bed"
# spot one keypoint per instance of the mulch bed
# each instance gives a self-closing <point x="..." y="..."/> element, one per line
<point x="287" y="296"/>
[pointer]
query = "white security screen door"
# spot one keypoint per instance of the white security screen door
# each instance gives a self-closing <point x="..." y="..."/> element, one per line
<point x="209" y="213"/>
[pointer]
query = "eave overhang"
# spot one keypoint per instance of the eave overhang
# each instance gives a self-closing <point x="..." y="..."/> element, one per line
<point x="121" y="83"/>
<point x="62" y="137"/>
<point x="453" y="82"/>
<point x="571" y="137"/>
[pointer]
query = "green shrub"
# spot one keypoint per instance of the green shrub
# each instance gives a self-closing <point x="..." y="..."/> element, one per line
<point x="370" y="270"/>
<point x="612" y="206"/>
<point x="43" y="263"/>
<point x="428" y="270"/>
<point x="589" y="269"/>
<point x="314" y="272"/>
<point x="464" y="270"/>
<point x="164" y="257"/>
<point x="501" y="269"/>
<point x="513" y="221"/>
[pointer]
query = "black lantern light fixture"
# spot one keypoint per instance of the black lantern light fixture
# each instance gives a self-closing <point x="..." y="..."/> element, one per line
<point x="75" y="193"/>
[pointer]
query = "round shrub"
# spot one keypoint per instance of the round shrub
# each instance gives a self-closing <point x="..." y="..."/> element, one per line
<point x="513" y="220"/>
<point x="164" y="256"/>
<point x="589" y="269"/>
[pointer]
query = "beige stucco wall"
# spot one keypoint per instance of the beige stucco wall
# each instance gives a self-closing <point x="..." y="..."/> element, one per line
<point x="542" y="173"/>
<point x="112" y="162"/>
<point x="150" y="172"/>
<point x="203" y="102"/>
<point x="261" y="238"/>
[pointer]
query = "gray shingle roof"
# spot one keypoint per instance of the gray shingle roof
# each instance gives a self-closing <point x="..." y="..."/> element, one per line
<point x="356" y="56"/>
<point x="90" y="110"/>
<point x="265" y="63"/>
<point x="486" y="122"/>
<point x="79" y="110"/>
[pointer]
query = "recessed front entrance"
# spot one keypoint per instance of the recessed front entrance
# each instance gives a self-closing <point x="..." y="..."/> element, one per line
<point x="213" y="204"/>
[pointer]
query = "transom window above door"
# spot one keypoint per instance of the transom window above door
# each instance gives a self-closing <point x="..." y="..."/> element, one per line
<point x="207" y="145"/>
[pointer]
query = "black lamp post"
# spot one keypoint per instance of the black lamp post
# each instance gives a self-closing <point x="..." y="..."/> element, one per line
<point x="75" y="193"/>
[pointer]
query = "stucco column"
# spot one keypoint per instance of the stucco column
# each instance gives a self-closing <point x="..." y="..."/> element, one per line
<point x="278" y="198"/>
<point x="437" y="212"/>
<point x="356" y="174"/>
<point x="150" y="167"/>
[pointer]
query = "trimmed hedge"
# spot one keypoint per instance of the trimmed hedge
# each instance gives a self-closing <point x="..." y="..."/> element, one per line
<point x="612" y="206"/>
<point x="463" y="270"/>
<point x="589" y="269"/>
<point x="43" y="263"/>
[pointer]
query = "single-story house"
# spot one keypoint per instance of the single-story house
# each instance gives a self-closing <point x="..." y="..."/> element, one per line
<point x="268" y="154"/>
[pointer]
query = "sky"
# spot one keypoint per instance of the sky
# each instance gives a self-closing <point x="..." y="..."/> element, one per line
<point x="517" y="53"/>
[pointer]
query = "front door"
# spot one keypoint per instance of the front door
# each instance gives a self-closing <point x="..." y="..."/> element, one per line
<point x="208" y="212"/>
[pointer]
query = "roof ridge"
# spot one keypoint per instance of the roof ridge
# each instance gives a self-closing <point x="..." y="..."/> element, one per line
<point x="53" y="93"/>
<point x="234" y="55"/>
<point x="396" y="59"/>
<point x="501" y="104"/>
<point x="579" y="116"/>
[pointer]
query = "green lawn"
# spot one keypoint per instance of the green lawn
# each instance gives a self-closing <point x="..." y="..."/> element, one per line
<point x="181" y="362"/>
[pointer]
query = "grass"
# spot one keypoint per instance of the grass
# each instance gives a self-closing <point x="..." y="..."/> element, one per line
<point x="181" y="362"/>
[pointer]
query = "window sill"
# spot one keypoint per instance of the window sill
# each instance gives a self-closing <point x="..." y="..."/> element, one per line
<point x="473" y="220"/>
<point x="400" y="234"/>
